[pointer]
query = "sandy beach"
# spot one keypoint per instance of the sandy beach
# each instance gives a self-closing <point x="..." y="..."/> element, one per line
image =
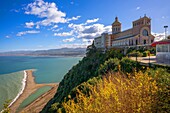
<point x="37" y="105"/>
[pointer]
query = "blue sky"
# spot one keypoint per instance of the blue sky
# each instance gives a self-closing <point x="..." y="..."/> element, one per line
<point x="49" y="24"/>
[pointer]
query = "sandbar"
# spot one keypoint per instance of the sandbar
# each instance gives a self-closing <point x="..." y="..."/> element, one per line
<point x="37" y="105"/>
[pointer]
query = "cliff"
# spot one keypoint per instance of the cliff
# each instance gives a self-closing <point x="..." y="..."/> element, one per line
<point x="81" y="82"/>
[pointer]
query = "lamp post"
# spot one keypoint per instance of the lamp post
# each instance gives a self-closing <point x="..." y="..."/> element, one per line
<point x="149" y="59"/>
<point x="136" y="52"/>
<point x="165" y="30"/>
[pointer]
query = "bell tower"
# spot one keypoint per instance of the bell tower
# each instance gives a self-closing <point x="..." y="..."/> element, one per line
<point x="116" y="26"/>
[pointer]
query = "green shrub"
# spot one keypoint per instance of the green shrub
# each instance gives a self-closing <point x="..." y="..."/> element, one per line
<point x="109" y="65"/>
<point x="144" y="54"/>
<point x="114" y="53"/>
<point x="134" y="53"/>
<point x="128" y="65"/>
<point x="162" y="78"/>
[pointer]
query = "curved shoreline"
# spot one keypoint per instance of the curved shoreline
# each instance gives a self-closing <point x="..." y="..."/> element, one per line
<point x="22" y="89"/>
<point x="30" y="88"/>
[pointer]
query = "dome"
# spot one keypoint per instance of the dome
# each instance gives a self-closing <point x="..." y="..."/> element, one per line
<point x="116" y="22"/>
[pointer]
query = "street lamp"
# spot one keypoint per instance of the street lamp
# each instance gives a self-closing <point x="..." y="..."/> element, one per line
<point x="136" y="52"/>
<point x="165" y="30"/>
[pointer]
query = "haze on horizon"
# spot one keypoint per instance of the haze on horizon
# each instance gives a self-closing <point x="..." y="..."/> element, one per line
<point x="51" y="24"/>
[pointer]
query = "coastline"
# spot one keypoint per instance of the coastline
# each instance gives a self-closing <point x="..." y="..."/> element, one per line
<point x="22" y="89"/>
<point x="29" y="86"/>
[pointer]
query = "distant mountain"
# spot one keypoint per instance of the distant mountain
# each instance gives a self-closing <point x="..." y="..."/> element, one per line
<point x="50" y="52"/>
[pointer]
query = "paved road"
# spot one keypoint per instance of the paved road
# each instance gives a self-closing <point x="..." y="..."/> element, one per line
<point x="151" y="59"/>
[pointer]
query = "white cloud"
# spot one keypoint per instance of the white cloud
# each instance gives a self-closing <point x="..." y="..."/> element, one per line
<point x="74" y="18"/>
<point x="89" y="31"/>
<point x="29" y="24"/>
<point x="48" y="13"/>
<point x="64" y="34"/>
<point x="27" y="32"/>
<point x="88" y="41"/>
<point x="7" y="36"/>
<point x="93" y="28"/>
<point x="69" y="39"/>
<point x="38" y="27"/>
<point x="137" y="8"/>
<point x="57" y="30"/>
<point x="55" y="26"/>
<point x="92" y="21"/>
<point x="159" y="36"/>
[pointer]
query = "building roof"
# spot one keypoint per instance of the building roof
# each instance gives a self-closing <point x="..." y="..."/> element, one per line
<point x="98" y="37"/>
<point x="142" y="18"/>
<point x="116" y="22"/>
<point x="167" y="41"/>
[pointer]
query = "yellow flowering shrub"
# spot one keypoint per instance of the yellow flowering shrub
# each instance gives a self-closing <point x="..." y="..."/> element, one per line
<point x="116" y="94"/>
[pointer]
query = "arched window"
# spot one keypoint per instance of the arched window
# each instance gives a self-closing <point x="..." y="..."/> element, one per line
<point x="145" y="32"/>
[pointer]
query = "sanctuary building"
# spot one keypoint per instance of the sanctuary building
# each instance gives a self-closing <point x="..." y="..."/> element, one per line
<point x="138" y="35"/>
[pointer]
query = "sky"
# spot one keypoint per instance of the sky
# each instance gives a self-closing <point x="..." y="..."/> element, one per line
<point x="51" y="24"/>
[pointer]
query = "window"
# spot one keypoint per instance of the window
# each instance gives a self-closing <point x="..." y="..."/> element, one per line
<point x="158" y="48"/>
<point x="136" y="42"/>
<point x="145" y="32"/>
<point x="165" y="48"/>
<point x="162" y="48"/>
<point x="144" y="42"/>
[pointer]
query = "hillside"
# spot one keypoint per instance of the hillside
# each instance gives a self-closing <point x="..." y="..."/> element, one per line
<point x="50" y="52"/>
<point x="76" y="90"/>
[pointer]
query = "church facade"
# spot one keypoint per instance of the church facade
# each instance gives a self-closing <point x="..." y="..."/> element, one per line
<point x="138" y="35"/>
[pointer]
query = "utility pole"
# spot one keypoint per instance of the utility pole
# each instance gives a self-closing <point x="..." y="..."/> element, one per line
<point x="165" y="30"/>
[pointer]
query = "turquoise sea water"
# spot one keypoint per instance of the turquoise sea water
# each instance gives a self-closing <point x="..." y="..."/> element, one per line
<point x="10" y="86"/>
<point x="34" y="96"/>
<point x="48" y="70"/>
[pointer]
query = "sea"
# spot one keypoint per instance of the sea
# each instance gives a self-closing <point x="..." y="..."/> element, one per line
<point x="46" y="70"/>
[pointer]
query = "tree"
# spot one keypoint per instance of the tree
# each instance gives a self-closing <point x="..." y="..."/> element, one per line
<point x="91" y="49"/>
<point x="6" y="108"/>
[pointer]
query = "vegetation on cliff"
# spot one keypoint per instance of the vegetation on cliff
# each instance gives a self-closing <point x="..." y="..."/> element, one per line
<point x="109" y="80"/>
<point x="116" y="93"/>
